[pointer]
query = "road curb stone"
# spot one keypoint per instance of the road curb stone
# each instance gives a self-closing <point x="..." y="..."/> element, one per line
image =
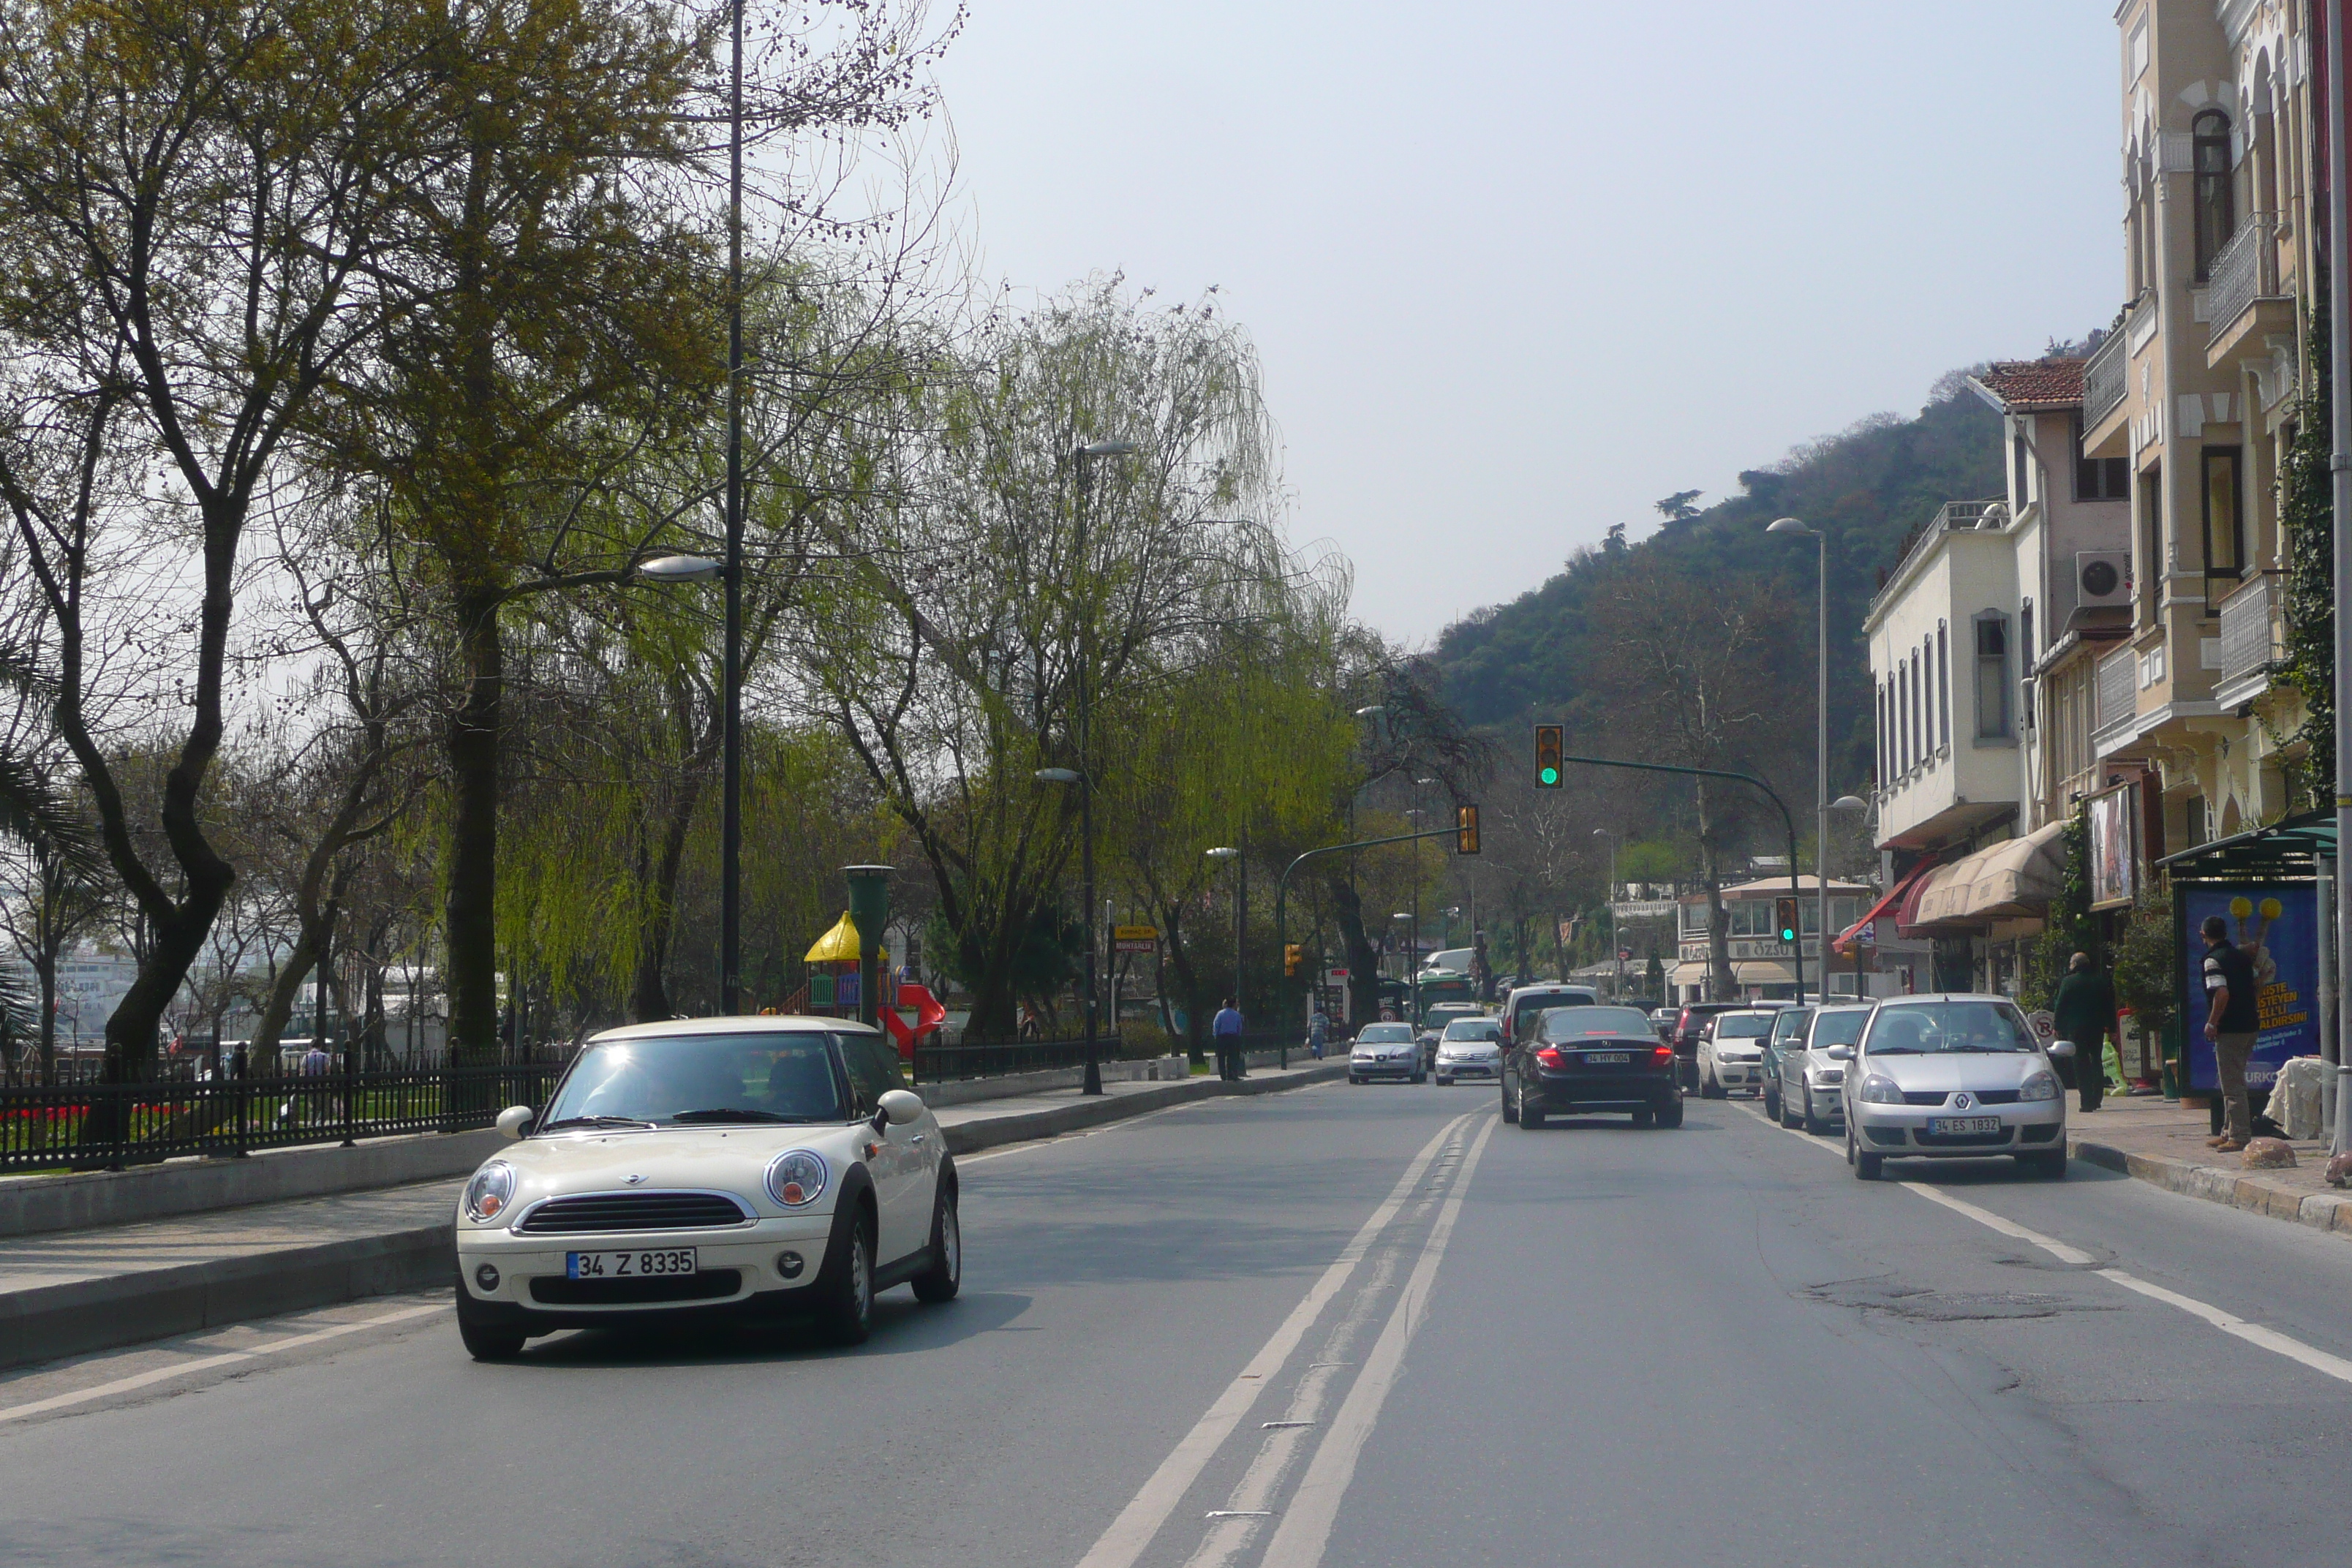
<point x="2219" y="1184"/>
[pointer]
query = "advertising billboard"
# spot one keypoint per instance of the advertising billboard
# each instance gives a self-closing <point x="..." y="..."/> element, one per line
<point x="2280" y="923"/>
<point x="2115" y="846"/>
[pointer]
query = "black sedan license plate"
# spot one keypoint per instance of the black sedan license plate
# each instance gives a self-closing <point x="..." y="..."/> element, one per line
<point x="1962" y="1126"/>
<point x="637" y="1265"/>
<point x="1605" y="1058"/>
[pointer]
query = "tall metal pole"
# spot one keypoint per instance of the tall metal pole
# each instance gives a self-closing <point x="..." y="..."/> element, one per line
<point x="1241" y="922"/>
<point x="730" y="814"/>
<point x="1086" y="794"/>
<point x="2339" y="389"/>
<point x="1822" y="786"/>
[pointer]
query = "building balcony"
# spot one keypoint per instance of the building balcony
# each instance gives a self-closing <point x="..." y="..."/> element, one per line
<point x="2249" y="641"/>
<point x="2105" y="379"/>
<point x="2117" y="695"/>
<point x="2246" y="305"/>
<point x="1988" y="516"/>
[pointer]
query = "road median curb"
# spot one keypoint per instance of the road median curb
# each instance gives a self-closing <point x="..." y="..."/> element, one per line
<point x="1025" y="1126"/>
<point x="2215" y="1183"/>
<point x="45" y="1322"/>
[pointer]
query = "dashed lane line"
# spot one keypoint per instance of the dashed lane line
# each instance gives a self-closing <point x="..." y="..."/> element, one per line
<point x="1132" y="1532"/>
<point x="2258" y="1334"/>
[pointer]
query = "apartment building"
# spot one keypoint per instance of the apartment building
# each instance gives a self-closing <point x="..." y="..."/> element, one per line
<point x="2197" y="391"/>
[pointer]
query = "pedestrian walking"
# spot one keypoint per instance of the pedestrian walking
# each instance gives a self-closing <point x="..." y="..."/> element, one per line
<point x="2231" y="1021"/>
<point x="2085" y="1012"/>
<point x="1318" y="1035"/>
<point x="236" y="1061"/>
<point x="1227" y="1029"/>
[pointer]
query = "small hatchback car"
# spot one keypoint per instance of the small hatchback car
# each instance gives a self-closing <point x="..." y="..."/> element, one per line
<point x="706" y="1169"/>
<point x="1470" y="1048"/>
<point x="1384" y="1050"/>
<point x="1952" y="1078"/>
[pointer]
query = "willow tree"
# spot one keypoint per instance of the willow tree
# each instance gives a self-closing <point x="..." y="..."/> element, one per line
<point x="992" y="573"/>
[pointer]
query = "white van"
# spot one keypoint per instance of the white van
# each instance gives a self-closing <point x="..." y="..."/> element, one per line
<point x="1527" y="1005"/>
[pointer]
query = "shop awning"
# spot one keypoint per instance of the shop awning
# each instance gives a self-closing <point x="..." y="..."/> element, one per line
<point x="2016" y="878"/>
<point x="1763" y="972"/>
<point x="1903" y="885"/>
<point x="838" y="945"/>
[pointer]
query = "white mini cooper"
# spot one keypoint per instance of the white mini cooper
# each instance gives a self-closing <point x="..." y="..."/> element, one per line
<point x="709" y="1169"/>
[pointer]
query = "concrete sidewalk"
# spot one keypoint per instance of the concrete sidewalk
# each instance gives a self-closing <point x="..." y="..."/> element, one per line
<point x="69" y="1293"/>
<point x="2163" y="1143"/>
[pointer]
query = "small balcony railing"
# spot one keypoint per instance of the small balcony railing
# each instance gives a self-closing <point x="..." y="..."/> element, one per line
<point x="2249" y="634"/>
<point x="2104" y="378"/>
<point x="2245" y="271"/>
<point x="2118" y="689"/>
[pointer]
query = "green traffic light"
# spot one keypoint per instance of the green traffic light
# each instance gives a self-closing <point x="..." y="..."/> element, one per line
<point x="1551" y="776"/>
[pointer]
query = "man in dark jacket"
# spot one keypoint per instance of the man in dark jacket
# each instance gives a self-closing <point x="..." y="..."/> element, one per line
<point x="2085" y="1012"/>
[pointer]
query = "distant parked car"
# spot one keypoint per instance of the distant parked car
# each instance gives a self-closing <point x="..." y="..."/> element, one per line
<point x="1731" y="1052"/>
<point x="1384" y="1050"/>
<point x="1811" y="1088"/>
<point x="1952" y="1077"/>
<point x="1788" y="1029"/>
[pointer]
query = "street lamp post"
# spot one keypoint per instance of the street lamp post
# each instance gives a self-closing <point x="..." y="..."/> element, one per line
<point x="703" y="569"/>
<point x="1085" y="457"/>
<point x="1820" y="742"/>
<point x="1616" y="949"/>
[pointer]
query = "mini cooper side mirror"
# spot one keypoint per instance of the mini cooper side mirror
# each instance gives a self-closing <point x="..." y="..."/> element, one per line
<point x="1839" y="1053"/>
<point x="2061" y="1049"/>
<point x="901" y="1106"/>
<point x="515" y="1120"/>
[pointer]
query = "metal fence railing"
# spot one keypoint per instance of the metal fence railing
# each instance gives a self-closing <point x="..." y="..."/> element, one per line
<point x="982" y="1059"/>
<point x="98" y="1126"/>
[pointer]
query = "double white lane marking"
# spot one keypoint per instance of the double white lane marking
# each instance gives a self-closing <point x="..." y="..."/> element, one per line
<point x="2253" y="1333"/>
<point x="207" y="1363"/>
<point x="1132" y="1532"/>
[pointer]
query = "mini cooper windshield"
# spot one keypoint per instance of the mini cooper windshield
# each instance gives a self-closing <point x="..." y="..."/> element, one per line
<point x="1929" y="1027"/>
<point x="686" y="1080"/>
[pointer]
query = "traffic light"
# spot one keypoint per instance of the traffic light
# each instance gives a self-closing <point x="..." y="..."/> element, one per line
<point x="1784" y="912"/>
<point x="1552" y="740"/>
<point x="1466" y="830"/>
<point x="1293" y="955"/>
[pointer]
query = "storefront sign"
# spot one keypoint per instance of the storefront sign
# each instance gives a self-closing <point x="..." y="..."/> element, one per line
<point x="2280" y="920"/>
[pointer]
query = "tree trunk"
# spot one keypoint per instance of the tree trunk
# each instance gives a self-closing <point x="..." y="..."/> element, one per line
<point x="649" y="997"/>
<point x="471" y="910"/>
<point x="1363" y="959"/>
<point x="1722" y="985"/>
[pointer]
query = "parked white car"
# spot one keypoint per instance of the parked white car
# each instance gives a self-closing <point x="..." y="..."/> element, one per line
<point x="1731" y="1052"/>
<point x="1952" y="1077"/>
<point x="1470" y="1048"/>
<point x="710" y="1168"/>
<point x="1811" y="1092"/>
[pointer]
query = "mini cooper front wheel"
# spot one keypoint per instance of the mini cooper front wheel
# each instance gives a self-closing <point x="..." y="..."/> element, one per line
<point x="941" y="1281"/>
<point x="846" y="1314"/>
<point x="486" y="1338"/>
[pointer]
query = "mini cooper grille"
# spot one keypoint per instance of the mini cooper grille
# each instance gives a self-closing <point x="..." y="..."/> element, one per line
<point x="713" y="1285"/>
<point x="631" y="1211"/>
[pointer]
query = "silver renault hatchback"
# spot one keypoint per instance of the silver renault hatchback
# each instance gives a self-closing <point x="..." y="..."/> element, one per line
<point x="1952" y="1077"/>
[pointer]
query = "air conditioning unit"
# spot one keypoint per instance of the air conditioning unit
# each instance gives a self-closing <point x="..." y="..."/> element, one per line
<point x="2103" y="577"/>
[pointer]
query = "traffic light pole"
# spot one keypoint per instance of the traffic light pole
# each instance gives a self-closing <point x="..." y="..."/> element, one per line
<point x="1797" y="951"/>
<point x="1281" y="888"/>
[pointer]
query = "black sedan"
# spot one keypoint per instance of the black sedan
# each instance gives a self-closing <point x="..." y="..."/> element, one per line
<point x="1593" y="1058"/>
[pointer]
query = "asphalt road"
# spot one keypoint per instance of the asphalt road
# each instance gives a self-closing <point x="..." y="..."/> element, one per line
<point x="1347" y="1326"/>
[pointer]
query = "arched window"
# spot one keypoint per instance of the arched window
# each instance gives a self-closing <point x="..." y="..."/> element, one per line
<point x="2216" y="203"/>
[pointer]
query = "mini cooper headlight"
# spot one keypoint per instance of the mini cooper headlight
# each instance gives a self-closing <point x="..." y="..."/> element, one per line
<point x="487" y="1195"/>
<point x="2038" y="1086"/>
<point x="1880" y="1090"/>
<point x="797" y="1177"/>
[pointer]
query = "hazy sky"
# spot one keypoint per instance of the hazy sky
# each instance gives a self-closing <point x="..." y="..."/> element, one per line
<point x="1516" y="272"/>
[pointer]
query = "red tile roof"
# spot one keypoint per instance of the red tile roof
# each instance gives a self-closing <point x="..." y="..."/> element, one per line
<point x="2023" y="385"/>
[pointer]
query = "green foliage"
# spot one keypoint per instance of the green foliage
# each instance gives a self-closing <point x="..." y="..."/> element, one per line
<point x="1545" y="652"/>
<point x="2148" y="960"/>
<point x="2307" y="513"/>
